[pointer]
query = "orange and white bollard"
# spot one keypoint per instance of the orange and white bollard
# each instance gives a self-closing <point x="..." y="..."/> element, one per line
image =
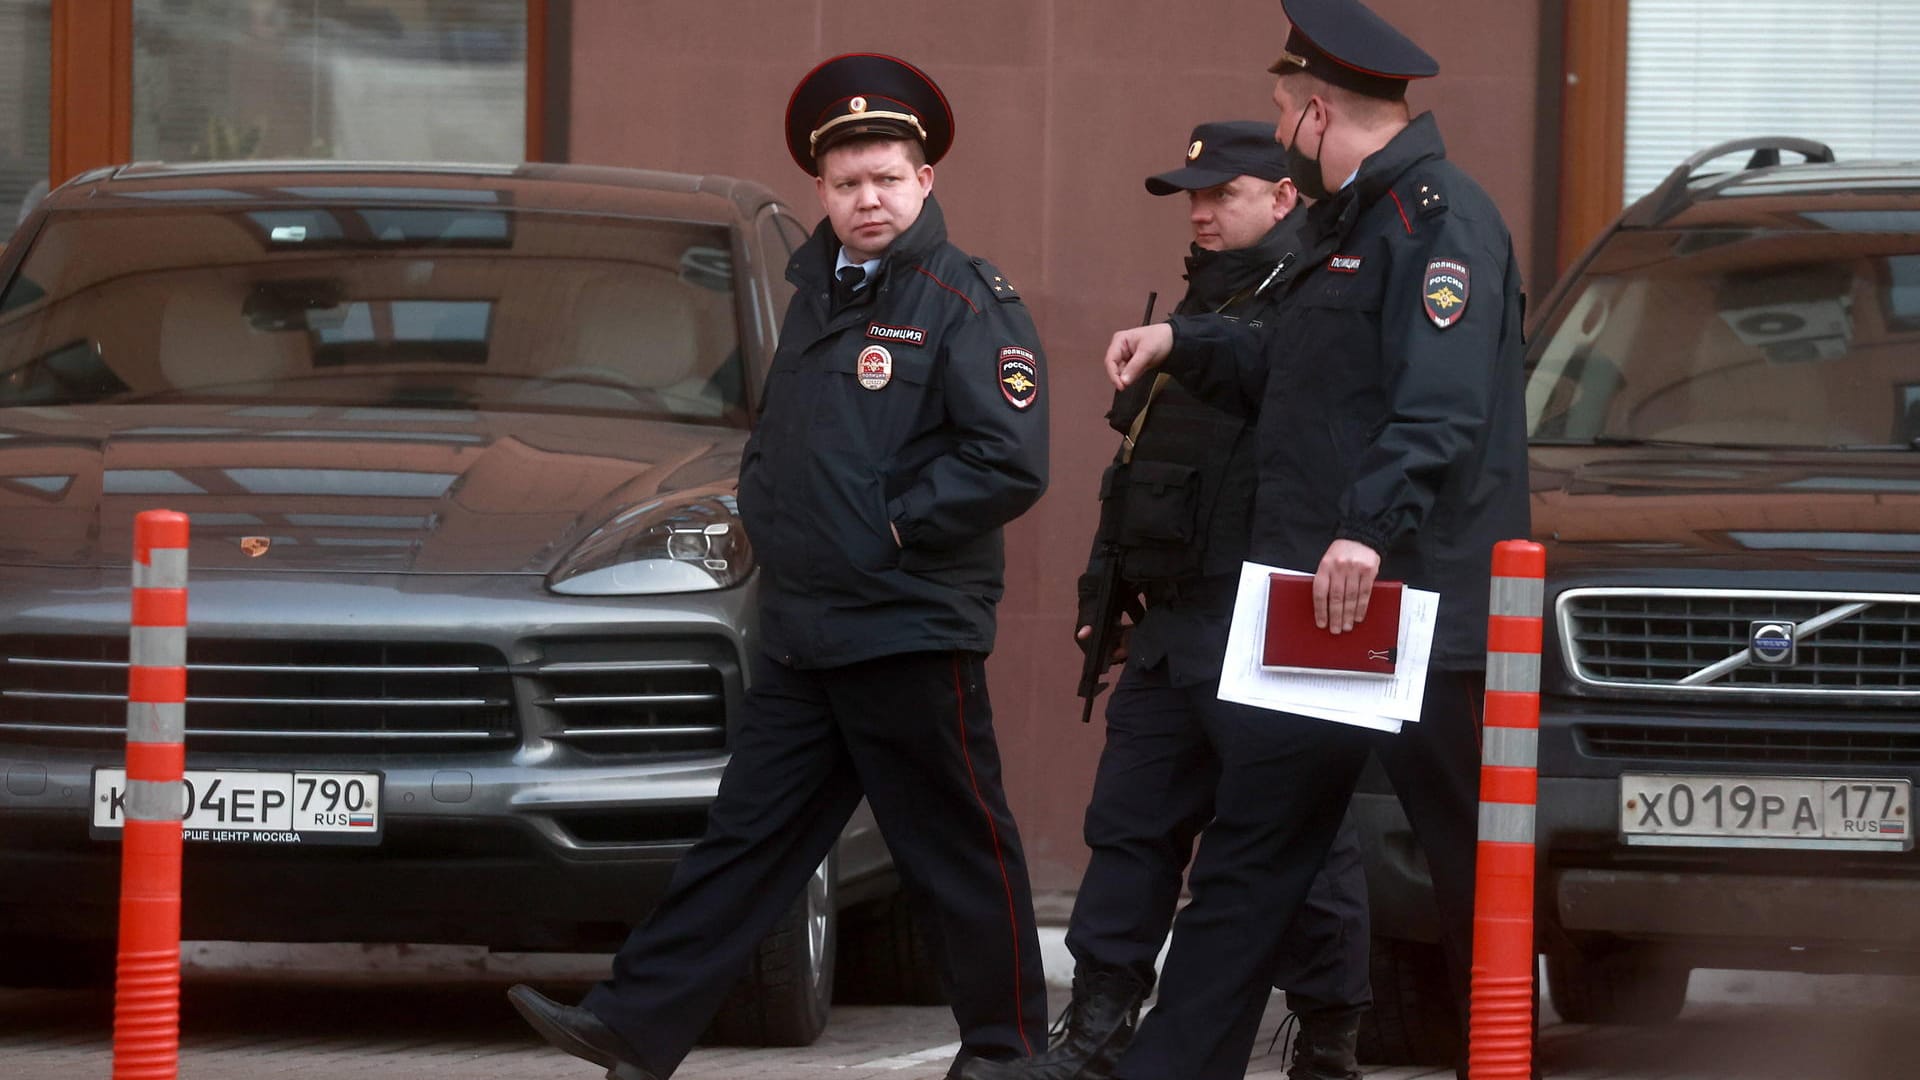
<point x="1500" y="1031"/>
<point x="146" y="1004"/>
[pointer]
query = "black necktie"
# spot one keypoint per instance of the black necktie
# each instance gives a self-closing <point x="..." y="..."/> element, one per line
<point x="849" y="278"/>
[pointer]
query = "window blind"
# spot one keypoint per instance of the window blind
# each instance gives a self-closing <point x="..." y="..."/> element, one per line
<point x="26" y="58"/>
<point x="1842" y="72"/>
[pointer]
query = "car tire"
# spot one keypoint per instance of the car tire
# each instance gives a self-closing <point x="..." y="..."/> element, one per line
<point x="784" y="998"/>
<point x="886" y="956"/>
<point x="39" y="963"/>
<point x="1413" y="1020"/>
<point x="1629" y="986"/>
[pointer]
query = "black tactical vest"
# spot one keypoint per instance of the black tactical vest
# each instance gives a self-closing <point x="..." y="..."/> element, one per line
<point x="1181" y="508"/>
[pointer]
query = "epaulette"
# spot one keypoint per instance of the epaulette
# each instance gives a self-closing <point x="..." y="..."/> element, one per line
<point x="1002" y="289"/>
<point x="1428" y="200"/>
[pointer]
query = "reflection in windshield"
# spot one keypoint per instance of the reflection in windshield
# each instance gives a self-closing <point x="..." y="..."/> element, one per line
<point x="1775" y="340"/>
<point x="461" y="309"/>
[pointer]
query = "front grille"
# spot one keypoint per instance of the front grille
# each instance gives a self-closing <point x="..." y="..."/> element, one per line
<point x="1694" y="641"/>
<point x="267" y="694"/>
<point x="602" y="697"/>
<point x="1749" y="744"/>
<point x="638" y="696"/>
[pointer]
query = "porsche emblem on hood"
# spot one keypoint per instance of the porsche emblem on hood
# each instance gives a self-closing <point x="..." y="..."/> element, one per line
<point x="255" y="546"/>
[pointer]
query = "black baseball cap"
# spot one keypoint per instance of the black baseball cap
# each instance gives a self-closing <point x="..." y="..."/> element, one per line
<point x="1222" y="150"/>
<point x="1346" y="44"/>
<point x="866" y="94"/>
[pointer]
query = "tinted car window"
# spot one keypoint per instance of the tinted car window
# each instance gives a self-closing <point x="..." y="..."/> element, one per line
<point x="1745" y="338"/>
<point x="465" y="307"/>
<point x="778" y="241"/>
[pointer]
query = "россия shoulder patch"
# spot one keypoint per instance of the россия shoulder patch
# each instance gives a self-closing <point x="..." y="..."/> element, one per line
<point x="1019" y="372"/>
<point x="1444" y="291"/>
<point x="996" y="281"/>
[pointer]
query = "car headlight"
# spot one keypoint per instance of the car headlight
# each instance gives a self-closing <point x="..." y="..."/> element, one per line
<point x="684" y="542"/>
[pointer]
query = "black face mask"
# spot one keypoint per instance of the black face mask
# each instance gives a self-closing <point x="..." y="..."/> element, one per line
<point x="1304" y="171"/>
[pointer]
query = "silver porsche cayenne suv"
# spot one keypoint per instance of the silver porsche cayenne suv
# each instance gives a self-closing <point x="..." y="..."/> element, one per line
<point x="470" y="600"/>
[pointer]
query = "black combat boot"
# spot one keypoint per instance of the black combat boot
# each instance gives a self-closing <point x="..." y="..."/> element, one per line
<point x="1092" y="1033"/>
<point x="1324" y="1048"/>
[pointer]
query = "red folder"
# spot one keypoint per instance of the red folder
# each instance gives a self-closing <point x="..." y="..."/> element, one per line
<point x="1293" y="643"/>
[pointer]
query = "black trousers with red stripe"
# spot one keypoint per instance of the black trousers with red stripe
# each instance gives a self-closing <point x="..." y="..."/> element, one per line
<point x="914" y="734"/>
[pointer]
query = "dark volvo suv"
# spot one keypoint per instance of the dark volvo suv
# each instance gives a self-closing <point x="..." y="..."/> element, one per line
<point x="1724" y="404"/>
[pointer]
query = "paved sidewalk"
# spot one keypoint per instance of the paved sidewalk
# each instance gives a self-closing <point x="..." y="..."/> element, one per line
<point x="441" y="1015"/>
<point x="252" y="1030"/>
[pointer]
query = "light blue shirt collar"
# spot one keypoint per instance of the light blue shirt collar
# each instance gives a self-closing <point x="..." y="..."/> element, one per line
<point x="870" y="266"/>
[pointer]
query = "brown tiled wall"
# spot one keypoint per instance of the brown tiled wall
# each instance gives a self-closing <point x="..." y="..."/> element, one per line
<point x="1063" y="107"/>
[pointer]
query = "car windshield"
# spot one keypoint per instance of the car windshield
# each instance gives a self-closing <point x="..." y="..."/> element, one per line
<point x="417" y="306"/>
<point x="1747" y="338"/>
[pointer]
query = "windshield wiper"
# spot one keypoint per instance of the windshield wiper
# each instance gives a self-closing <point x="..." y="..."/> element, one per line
<point x="1625" y="441"/>
<point x="1622" y="440"/>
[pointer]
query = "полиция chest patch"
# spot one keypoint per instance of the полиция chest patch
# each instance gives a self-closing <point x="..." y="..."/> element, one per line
<point x="906" y="335"/>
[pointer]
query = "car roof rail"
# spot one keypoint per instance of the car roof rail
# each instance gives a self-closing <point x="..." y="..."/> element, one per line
<point x="1674" y="195"/>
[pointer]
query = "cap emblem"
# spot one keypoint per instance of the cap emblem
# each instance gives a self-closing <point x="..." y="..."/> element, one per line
<point x="1193" y="151"/>
<point x="875" y="367"/>
<point x="1288" y="59"/>
<point x="858" y="104"/>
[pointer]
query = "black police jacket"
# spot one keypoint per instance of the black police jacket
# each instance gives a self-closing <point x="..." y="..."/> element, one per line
<point x="1389" y="389"/>
<point x="919" y="404"/>
<point x="1181" y="507"/>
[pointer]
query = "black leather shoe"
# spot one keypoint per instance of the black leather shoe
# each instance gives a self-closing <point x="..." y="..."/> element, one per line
<point x="579" y="1032"/>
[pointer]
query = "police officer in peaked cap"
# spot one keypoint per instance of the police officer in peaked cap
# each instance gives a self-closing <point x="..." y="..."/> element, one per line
<point x="905" y="422"/>
<point x="1179" y="495"/>
<point x="1391" y="444"/>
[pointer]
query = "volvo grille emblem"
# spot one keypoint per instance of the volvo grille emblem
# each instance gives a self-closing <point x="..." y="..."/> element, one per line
<point x="255" y="546"/>
<point x="1771" y="643"/>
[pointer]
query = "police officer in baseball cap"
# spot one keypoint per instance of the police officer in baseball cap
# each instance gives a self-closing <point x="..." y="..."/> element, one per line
<point x="905" y="423"/>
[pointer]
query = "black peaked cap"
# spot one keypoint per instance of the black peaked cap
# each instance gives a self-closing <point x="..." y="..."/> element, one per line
<point x="1345" y="43"/>
<point x="866" y="94"/>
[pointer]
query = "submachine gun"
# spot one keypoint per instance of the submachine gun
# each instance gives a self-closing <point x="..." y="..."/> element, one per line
<point x="1113" y="596"/>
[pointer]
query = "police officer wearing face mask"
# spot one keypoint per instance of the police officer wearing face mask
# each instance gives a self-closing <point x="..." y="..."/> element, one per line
<point x="1180" y="493"/>
<point x="1391" y="444"/>
<point x="903" y="425"/>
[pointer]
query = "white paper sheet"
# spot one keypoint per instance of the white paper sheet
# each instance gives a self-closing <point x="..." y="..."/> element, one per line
<point x="1361" y="700"/>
